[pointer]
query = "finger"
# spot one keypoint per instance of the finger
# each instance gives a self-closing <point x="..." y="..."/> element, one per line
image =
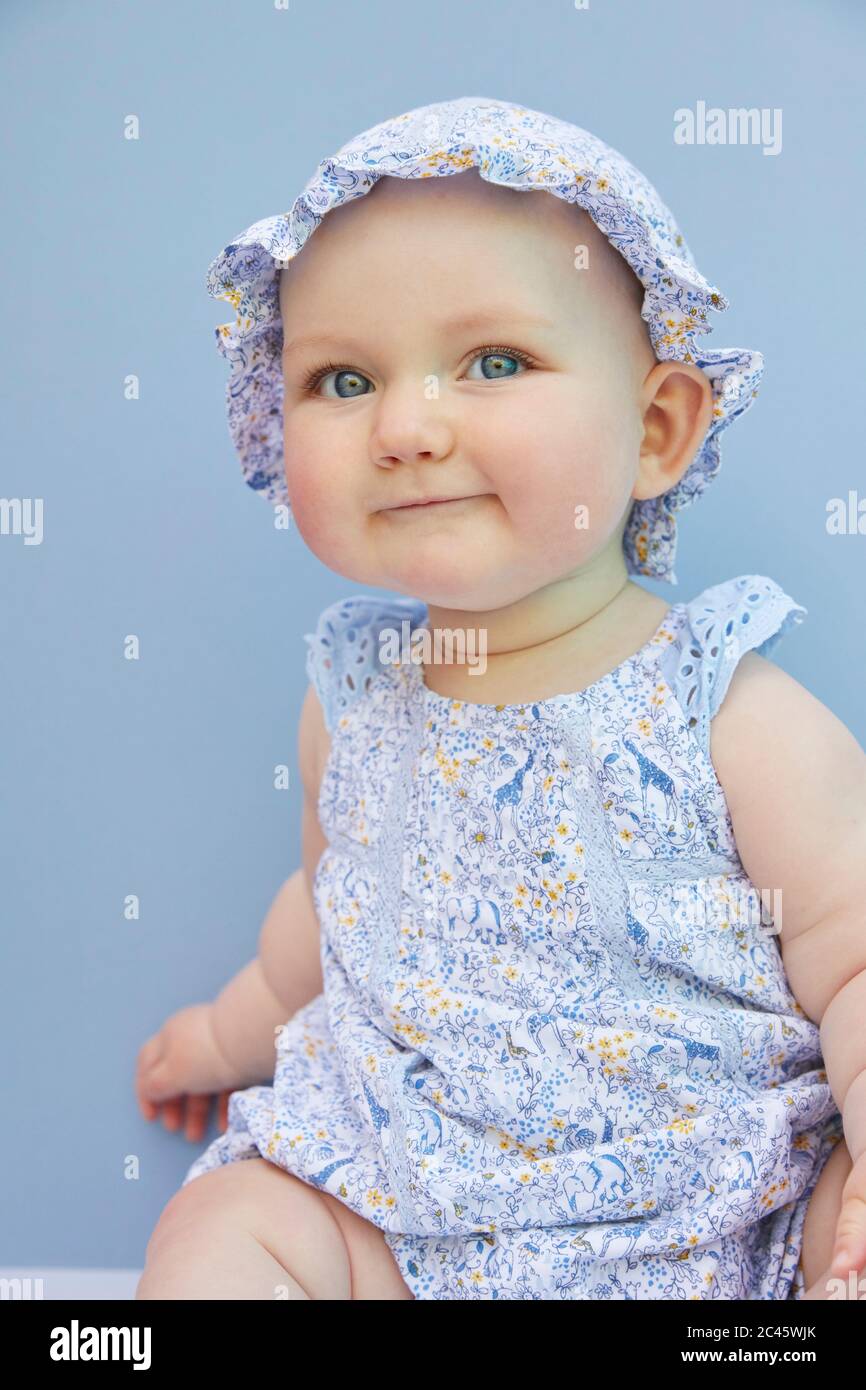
<point x="149" y="1052"/>
<point x="223" y="1110"/>
<point x="159" y="1085"/>
<point x="197" y="1111"/>
<point x="148" y="1056"/>
<point x="172" y="1113"/>
<point x="849" y="1249"/>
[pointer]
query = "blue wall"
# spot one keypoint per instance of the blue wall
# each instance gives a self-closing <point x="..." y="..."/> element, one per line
<point x="155" y="777"/>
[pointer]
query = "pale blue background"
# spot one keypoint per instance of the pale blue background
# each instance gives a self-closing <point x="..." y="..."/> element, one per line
<point x="155" y="777"/>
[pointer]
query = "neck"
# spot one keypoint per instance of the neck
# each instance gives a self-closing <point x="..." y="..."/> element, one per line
<point x="565" y="614"/>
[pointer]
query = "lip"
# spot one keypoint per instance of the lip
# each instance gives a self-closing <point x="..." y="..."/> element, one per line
<point x="429" y="502"/>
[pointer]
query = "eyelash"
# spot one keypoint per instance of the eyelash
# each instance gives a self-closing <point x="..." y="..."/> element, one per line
<point x="318" y="374"/>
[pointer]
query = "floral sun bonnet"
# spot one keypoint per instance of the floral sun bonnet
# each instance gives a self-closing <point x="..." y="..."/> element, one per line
<point x="521" y="149"/>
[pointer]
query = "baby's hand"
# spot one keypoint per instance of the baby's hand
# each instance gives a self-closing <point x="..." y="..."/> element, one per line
<point x="180" y="1069"/>
<point x="849" y="1247"/>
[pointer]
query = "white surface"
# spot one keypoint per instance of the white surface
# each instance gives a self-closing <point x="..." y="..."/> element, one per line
<point x="71" y="1283"/>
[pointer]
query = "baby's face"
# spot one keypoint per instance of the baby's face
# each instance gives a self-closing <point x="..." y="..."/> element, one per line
<point x="461" y="355"/>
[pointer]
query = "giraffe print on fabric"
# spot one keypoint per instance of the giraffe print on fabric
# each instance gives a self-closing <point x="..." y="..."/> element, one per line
<point x="556" y="1054"/>
<point x="651" y="775"/>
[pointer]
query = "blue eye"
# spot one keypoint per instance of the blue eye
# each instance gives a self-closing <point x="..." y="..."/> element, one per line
<point x="497" y="364"/>
<point x="347" y="383"/>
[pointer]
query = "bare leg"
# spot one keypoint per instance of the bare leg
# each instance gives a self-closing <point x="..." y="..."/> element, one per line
<point x="249" y="1230"/>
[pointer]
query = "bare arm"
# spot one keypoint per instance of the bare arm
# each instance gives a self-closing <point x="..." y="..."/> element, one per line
<point x="286" y="974"/>
<point x="794" y="778"/>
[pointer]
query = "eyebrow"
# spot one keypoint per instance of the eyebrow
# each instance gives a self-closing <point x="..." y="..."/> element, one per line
<point x="483" y="318"/>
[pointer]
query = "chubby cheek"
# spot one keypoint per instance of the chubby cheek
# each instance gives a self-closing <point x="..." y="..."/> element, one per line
<point x="566" y="480"/>
<point x="321" y="502"/>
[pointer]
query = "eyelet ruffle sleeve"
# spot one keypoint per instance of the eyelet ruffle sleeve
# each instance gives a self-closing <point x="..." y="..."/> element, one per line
<point x="343" y="652"/>
<point x="749" y="613"/>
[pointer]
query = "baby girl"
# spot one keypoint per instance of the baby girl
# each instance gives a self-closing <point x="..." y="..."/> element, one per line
<point x="575" y="966"/>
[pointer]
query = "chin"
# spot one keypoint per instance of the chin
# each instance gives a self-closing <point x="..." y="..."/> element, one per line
<point x="437" y="580"/>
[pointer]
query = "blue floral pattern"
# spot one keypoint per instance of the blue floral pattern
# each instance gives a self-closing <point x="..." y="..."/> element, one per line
<point x="522" y="149"/>
<point x="556" y="1054"/>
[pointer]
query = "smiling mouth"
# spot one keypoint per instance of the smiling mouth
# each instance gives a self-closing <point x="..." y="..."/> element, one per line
<point x="432" y="505"/>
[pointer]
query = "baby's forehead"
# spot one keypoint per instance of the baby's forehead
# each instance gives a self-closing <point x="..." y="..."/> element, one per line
<point x="465" y="214"/>
<point x="395" y="206"/>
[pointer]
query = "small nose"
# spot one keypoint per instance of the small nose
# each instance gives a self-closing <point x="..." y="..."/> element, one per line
<point x="405" y="455"/>
<point x="408" y="426"/>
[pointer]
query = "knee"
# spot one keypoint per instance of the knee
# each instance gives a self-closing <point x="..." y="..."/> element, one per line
<point x="220" y="1195"/>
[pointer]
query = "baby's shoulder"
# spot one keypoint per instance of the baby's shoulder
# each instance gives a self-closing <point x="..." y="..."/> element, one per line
<point x="343" y="653"/>
<point x="794" y="780"/>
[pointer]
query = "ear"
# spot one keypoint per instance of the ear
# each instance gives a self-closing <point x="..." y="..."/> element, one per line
<point x="677" y="407"/>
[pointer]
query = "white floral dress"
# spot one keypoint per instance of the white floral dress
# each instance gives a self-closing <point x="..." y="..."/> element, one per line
<point x="556" y="1054"/>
